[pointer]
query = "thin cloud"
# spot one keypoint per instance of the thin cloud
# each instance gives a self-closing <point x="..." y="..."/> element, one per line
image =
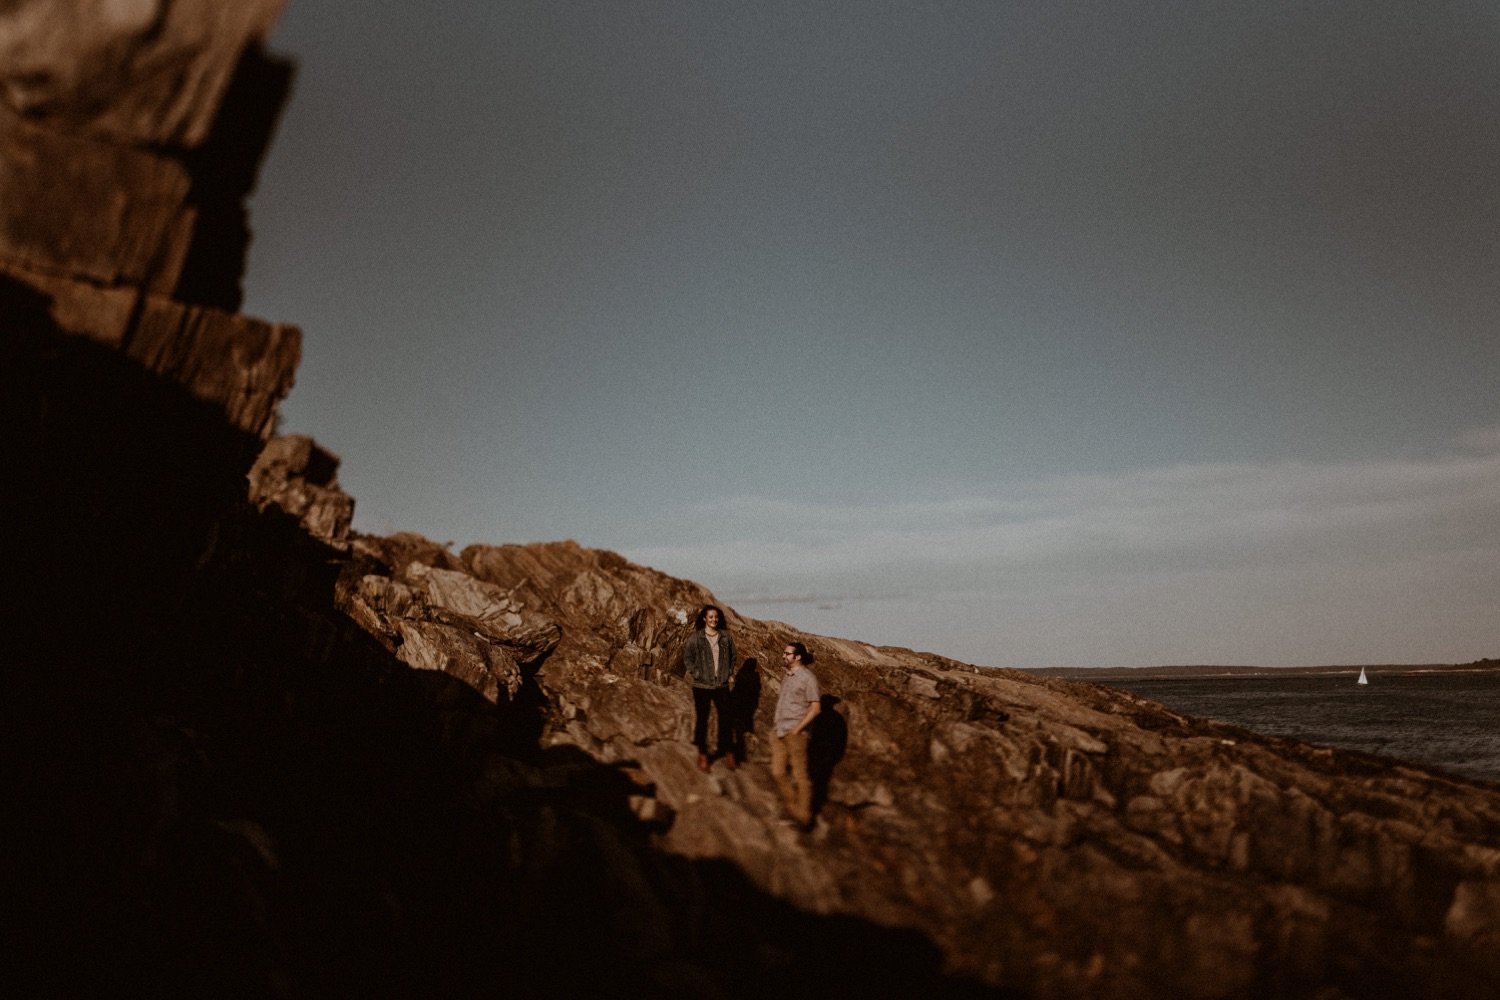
<point x="1175" y="518"/>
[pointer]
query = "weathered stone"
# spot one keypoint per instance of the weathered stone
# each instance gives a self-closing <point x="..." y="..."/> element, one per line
<point x="111" y="214"/>
<point x="241" y="365"/>
<point x="80" y="308"/>
<point x="926" y="687"/>
<point x="298" y="477"/>
<point x="630" y="661"/>
<point x="147" y="72"/>
<point x="1071" y="770"/>
<point x="628" y="709"/>
<point x="483" y="666"/>
<point x="244" y="365"/>
<point x="388" y="597"/>
<point x="1474" y="917"/>
<point x="464" y="595"/>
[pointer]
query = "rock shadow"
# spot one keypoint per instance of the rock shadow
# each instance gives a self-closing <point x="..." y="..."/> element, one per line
<point x="224" y="170"/>
<point x="218" y="784"/>
<point x="744" y="701"/>
<point x="826" y="745"/>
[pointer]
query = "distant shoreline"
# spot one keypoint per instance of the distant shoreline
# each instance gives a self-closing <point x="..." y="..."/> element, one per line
<point x="1205" y="672"/>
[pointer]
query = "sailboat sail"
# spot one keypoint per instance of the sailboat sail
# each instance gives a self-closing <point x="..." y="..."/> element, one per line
<point x="1362" y="678"/>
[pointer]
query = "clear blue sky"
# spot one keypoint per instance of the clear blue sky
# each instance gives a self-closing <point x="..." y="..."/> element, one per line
<point x="1027" y="333"/>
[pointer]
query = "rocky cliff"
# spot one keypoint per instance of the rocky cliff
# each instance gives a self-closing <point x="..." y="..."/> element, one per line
<point x="250" y="752"/>
<point x="1055" y="838"/>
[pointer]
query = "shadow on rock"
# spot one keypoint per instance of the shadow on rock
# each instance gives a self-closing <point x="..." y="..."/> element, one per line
<point x="218" y="784"/>
<point x="744" y="700"/>
<point x="825" y="747"/>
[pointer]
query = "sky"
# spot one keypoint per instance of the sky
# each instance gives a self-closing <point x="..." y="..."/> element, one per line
<point x="1031" y="334"/>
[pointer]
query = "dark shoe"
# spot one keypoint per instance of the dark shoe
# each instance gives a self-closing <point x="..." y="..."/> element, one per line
<point x="703" y="763"/>
<point x="730" y="761"/>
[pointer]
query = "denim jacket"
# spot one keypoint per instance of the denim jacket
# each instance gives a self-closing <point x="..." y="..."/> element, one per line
<point x="698" y="660"/>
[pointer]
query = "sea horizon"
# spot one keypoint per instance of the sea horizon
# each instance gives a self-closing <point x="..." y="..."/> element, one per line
<point x="1439" y="717"/>
<point x="1209" y="670"/>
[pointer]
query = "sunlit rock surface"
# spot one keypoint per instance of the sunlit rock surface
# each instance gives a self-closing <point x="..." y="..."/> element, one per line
<point x="248" y="751"/>
<point x="1059" y="838"/>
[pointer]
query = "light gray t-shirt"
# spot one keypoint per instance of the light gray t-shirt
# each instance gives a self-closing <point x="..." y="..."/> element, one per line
<point x="799" y="691"/>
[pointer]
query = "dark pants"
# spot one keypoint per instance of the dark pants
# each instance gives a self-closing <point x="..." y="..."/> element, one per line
<point x="719" y="698"/>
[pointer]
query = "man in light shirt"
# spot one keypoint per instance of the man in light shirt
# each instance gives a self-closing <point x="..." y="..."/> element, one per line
<point x="796" y="708"/>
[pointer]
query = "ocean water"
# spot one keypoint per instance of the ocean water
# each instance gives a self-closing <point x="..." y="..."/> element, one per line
<point x="1444" y="719"/>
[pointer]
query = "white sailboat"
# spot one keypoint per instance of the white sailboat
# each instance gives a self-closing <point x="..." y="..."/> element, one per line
<point x="1362" y="678"/>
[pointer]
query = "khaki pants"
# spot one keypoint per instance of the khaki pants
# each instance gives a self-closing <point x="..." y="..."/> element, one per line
<point x="789" y="771"/>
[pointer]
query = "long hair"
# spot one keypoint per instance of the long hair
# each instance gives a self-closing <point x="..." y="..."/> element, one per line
<point x="703" y="614"/>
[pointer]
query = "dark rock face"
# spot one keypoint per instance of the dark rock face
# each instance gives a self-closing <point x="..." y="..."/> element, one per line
<point x="130" y="412"/>
<point x="129" y="132"/>
<point x="217" y="782"/>
<point x="249" y="752"/>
